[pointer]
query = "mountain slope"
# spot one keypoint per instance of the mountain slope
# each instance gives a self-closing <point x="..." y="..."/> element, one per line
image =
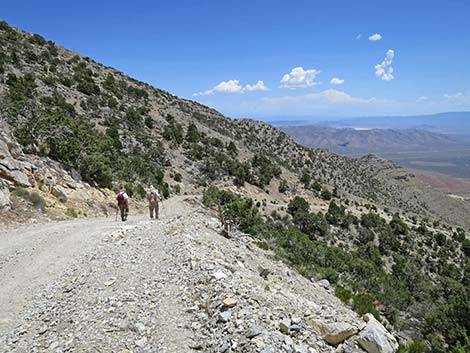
<point x="105" y="127"/>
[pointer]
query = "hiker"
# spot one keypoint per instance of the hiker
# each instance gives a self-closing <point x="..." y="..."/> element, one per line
<point x="153" y="198"/>
<point x="123" y="204"/>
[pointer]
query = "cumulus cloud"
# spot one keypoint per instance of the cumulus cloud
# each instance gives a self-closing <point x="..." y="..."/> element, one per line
<point x="327" y="97"/>
<point x="232" y="87"/>
<point x="258" y="86"/>
<point x="375" y="37"/>
<point x="384" y="70"/>
<point x="336" y="81"/>
<point x="299" y="78"/>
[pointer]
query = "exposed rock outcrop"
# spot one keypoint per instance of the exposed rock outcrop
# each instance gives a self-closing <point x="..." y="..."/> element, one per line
<point x="375" y="338"/>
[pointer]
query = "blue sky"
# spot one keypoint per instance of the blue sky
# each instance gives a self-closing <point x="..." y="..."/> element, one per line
<point x="216" y="52"/>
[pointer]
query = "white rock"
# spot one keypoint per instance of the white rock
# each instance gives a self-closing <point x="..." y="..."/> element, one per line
<point x="219" y="275"/>
<point x="375" y="338"/>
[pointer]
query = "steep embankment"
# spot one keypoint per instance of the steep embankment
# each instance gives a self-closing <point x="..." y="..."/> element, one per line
<point x="173" y="285"/>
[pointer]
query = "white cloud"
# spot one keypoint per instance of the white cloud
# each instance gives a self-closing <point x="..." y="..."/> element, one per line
<point x="375" y="37"/>
<point x="299" y="78"/>
<point x="422" y="99"/>
<point x="232" y="87"/>
<point x="336" y="81"/>
<point x="453" y="96"/>
<point x="327" y="97"/>
<point x="258" y="86"/>
<point x="384" y="70"/>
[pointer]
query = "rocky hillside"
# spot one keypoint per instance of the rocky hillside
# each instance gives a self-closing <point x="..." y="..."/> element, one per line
<point x="105" y="128"/>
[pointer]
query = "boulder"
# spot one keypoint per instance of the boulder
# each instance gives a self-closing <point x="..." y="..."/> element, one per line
<point x="375" y="338"/>
<point x="335" y="332"/>
<point x="10" y="168"/>
<point x="284" y="325"/>
<point x="5" y="201"/>
<point x="16" y="176"/>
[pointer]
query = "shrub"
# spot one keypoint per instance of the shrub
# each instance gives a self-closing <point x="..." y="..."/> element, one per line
<point x="306" y="178"/>
<point x="62" y="197"/>
<point x="283" y="186"/>
<point x="316" y="186"/>
<point x="37" y="200"/>
<point x="311" y="224"/>
<point x="37" y="39"/>
<point x="398" y="226"/>
<point x="413" y="347"/>
<point x="326" y="194"/>
<point x="298" y="205"/>
<point x="192" y="134"/>
<point x="71" y="212"/>
<point x="343" y="294"/>
<point x="129" y="187"/>
<point x="140" y="191"/>
<point x="363" y="303"/>
<point x="335" y="214"/>
<point x="18" y="191"/>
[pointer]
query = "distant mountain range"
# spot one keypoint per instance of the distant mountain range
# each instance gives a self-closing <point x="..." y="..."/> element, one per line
<point x="411" y="148"/>
<point x="448" y="123"/>
<point x="358" y="141"/>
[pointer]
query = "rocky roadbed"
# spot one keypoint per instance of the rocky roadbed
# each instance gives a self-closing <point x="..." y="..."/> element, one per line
<point x="168" y="285"/>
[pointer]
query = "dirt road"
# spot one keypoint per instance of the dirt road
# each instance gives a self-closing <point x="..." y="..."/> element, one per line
<point x="62" y="265"/>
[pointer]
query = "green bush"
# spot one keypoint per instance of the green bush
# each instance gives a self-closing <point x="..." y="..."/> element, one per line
<point x="314" y="225"/>
<point x="343" y="294"/>
<point x="298" y="205"/>
<point x="326" y="194"/>
<point x="413" y="347"/>
<point x="37" y="200"/>
<point x="283" y="186"/>
<point x="129" y="187"/>
<point x="398" y="226"/>
<point x="140" y="191"/>
<point x="20" y="192"/>
<point x="363" y="303"/>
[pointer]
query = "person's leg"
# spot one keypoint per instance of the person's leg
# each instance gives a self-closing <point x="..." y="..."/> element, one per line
<point x="126" y="212"/>
<point x="122" y="210"/>
<point x="156" y="210"/>
<point x="151" y="211"/>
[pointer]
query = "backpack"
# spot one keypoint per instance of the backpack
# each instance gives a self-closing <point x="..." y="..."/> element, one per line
<point x="121" y="199"/>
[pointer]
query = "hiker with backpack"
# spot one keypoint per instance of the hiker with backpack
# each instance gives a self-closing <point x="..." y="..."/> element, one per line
<point x="153" y="198"/>
<point x="123" y="204"/>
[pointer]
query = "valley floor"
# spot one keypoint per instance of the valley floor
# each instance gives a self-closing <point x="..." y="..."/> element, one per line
<point x="145" y="286"/>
